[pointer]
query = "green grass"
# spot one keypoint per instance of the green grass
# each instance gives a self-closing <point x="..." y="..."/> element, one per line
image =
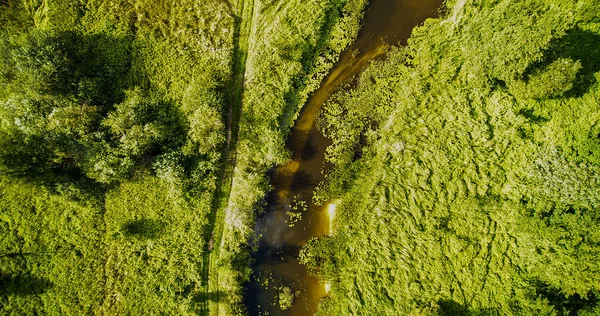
<point x="52" y="257"/>
<point x="154" y="245"/>
<point x="463" y="192"/>
<point x="232" y="300"/>
<point x="136" y="244"/>
<point x="130" y="112"/>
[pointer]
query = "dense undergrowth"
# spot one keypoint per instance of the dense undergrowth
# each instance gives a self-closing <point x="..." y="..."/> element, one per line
<point x="467" y="162"/>
<point x="468" y="167"/>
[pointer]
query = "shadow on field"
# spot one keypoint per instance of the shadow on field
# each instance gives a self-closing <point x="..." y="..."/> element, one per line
<point x="564" y="305"/>
<point x="210" y="297"/>
<point x="23" y="284"/>
<point x="578" y="45"/>
<point x="450" y="307"/>
<point x="144" y="228"/>
<point x="453" y="308"/>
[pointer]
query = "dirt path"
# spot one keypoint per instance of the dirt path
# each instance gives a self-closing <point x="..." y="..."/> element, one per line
<point x="244" y="10"/>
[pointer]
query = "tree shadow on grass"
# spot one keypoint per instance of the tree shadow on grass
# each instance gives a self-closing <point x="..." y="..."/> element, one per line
<point x="144" y="228"/>
<point x="579" y="45"/>
<point x="584" y="46"/>
<point x="450" y="307"/>
<point x="564" y="305"/>
<point x="23" y="284"/>
<point x="216" y="297"/>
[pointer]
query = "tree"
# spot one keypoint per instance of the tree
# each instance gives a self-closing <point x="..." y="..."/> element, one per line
<point x="206" y="131"/>
<point x="551" y="81"/>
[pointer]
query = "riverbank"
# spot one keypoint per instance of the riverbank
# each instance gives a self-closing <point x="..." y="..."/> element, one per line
<point x="469" y="179"/>
<point x="266" y="114"/>
<point x="277" y="269"/>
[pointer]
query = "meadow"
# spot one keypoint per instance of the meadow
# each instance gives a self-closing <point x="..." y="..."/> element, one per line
<point x="112" y="127"/>
<point x="467" y="166"/>
<point x="137" y="137"/>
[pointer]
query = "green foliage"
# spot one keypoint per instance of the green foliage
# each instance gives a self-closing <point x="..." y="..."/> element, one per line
<point x="292" y="46"/>
<point x="52" y="258"/>
<point x="553" y="81"/>
<point x="111" y="131"/>
<point x="319" y="255"/>
<point x="206" y="133"/>
<point x="124" y="100"/>
<point x="467" y="163"/>
<point x="296" y="210"/>
<point x="154" y="239"/>
<point x="292" y="54"/>
<point x="137" y="127"/>
<point x="286" y="297"/>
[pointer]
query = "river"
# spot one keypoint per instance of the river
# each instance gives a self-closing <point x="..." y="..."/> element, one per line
<point x="276" y="266"/>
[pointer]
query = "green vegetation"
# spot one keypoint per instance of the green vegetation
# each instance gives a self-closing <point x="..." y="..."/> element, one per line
<point x="468" y="165"/>
<point x="119" y="129"/>
<point x="292" y="45"/>
<point x="111" y="130"/>
<point x="296" y="210"/>
<point x="286" y="297"/>
<point x="136" y="137"/>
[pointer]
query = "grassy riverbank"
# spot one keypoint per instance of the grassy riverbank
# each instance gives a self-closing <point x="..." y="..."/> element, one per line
<point x="467" y="163"/>
<point x="291" y="46"/>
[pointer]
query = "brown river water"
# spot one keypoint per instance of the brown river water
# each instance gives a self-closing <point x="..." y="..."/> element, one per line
<point x="386" y="22"/>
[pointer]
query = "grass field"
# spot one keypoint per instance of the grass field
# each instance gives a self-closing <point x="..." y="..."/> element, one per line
<point x="466" y="163"/>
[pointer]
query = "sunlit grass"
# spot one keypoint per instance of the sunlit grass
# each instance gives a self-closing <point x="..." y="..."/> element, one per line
<point x="331" y="209"/>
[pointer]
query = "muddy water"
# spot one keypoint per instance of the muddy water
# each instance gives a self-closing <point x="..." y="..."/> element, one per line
<point x="386" y="22"/>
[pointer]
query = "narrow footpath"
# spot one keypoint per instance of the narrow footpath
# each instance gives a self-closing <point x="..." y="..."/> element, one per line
<point x="243" y="12"/>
